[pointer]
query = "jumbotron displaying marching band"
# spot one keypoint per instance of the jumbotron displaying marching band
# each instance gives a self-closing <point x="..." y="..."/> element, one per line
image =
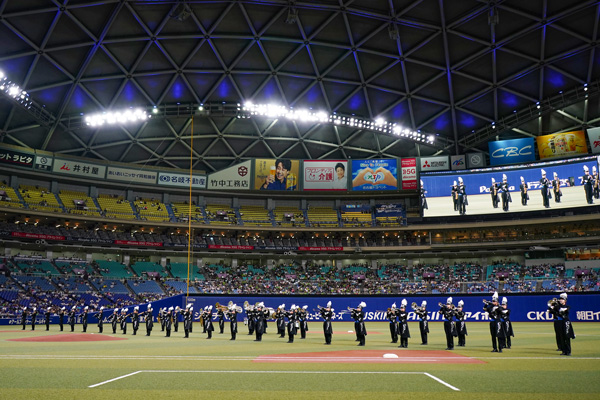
<point x="294" y="320"/>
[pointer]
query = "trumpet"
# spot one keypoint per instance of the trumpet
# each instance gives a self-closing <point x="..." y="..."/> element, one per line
<point x="553" y="302"/>
<point x="450" y="306"/>
<point x="415" y="307"/>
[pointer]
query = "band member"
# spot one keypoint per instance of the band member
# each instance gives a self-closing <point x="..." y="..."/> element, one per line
<point x="232" y="314"/>
<point x="33" y="317"/>
<point x="135" y="319"/>
<point x="595" y="183"/>
<point x="403" y="330"/>
<point x="250" y="319"/>
<point x="556" y="188"/>
<point x="123" y="320"/>
<point x="447" y="311"/>
<point x="421" y="313"/>
<point x="303" y="321"/>
<point x="454" y="194"/>
<point x="566" y="331"/>
<point x="461" y="326"/>
<point x="176" y="314"/>
<point x="168" y="317"/>
<point x="260" y="316"/>
<point x="327" y="315"/>
<point x="208" y="324"/>
<point x="148" y="319"/>
<point x="47" y="318"/>
<point x="114" y="320"/>
<point x="99" y="316"/>
<point x="161" y="318"/>
<point x="505" y="193"/>
<point x="24" y="314"/>
<point x="188" y="317"/>
<point x="494" y="193"/>
<point x="553" y="310"/>
<point x="280" y="320"/>
<point x="462" y="197"/>
<point x="588" y="184"/>
<point x="496" y="327"/>
<point x="61" y="318"/>
<point x="392" y="316"/>
<point x="359" y="323"/>
<point x="84" y="318"/>
<point x="221" y="320"/>
<point x="524" y="187"/>
<point x="72" y="317"/>
<point x="505" y="317"/>
<point x="545" y="190"/>
<point x="291" y="316"/>
<point x="423" y="197"/>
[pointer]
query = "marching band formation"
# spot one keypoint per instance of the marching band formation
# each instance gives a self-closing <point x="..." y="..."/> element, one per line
<point x="295" y="320"/>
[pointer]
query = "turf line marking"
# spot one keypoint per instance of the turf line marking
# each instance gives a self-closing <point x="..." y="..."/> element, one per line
<point x="442" y="382"/>
<point x="115" y="379"/>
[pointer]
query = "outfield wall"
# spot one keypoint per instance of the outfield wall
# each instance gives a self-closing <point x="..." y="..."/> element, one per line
<point x="524" y="307"/>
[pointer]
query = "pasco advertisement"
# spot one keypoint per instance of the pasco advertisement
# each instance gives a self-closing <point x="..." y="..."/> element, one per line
<point x="375" y="174"/>
<point x="566" y="185"/>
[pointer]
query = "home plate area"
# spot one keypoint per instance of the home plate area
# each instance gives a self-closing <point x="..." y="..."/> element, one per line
<point x="372" y="356"/>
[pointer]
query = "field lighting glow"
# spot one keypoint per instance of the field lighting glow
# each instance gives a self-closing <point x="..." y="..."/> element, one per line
<point x="117" y="117"/>
<point x="305" y="115"/>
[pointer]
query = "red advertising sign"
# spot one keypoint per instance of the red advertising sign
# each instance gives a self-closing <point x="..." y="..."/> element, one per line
<point x="229" y="247"/>
<point x="138" y="243"/>
<point x="323" y="248"/>
<point x="409" y="173"/>
<point x="37" y="236"/>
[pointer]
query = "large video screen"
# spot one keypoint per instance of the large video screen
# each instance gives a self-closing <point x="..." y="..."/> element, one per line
<point x="532" y="187"/>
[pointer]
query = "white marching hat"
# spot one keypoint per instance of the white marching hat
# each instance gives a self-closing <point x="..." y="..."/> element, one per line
<point x="461" y="303"/>
<point x="394" y="305"/>
<point x="101" y="308"/>
<point x="504" y="177"/>
<point x="563" y="296"/>
<point x="449" y="300"/>
<point x="504" y="300"/>
<point x="362" y="304"/>
<point x="423" y="303"/>
<point x="454" y="183"/>
<point x="460" y="179"/>
<point x="522" y="179"/>
<point x="85" y="308"/>
<point x="304" y="307"/>
<point x="543" y="173"/>
<point x="48" y="309"/>
<point x="116" y="310"/>
<point x="555" y="175"/>
<point x="585" y="168"/>
<point x="149" y="306"/>
<point x="495" y="296"/>
<point x="282" y="306"/>
<point x="136" y="308"/>
<point x="62" y="308"/>
<point x="329" y="304"/>
<point x="404" y="303"/>
<point x="171" y="308"/>
<point x="493" y="180"/>
<point x="188" y="305"/>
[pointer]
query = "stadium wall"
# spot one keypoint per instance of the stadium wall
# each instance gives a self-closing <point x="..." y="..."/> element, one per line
<point x="524" y="307"/>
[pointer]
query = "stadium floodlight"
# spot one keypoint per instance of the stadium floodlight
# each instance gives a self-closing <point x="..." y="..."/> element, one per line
<point x="250" y="109"/>
<point x="14" y="91"/>
<point x="127" y="116"/>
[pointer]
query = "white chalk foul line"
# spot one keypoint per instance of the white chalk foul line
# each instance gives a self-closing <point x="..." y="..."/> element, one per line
<point x="282" y="372"/>
<point x="115" y="379"/>
<point x="442" y="382"/>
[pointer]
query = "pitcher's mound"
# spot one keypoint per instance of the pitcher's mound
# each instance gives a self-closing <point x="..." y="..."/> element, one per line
<point x="372" y="356"/>
<point x="73" y="337"/>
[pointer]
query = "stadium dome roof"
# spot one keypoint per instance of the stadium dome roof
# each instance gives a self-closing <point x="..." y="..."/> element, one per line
<point x="447" y="68"/>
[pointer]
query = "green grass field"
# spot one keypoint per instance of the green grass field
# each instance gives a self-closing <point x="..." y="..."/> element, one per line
<point x="222" y="369"/>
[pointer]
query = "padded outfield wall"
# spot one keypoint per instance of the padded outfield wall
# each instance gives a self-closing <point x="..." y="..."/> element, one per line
<point x="585" y="307"/>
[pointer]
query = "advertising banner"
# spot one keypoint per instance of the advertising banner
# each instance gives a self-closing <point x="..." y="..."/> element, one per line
<point x="280" y="174"/>
<point x="458" y="162"/>
<point x="229" y="247"/>
<point x="375" y="174"/>
<point x="511" y="151"/>
<point x="138" y="243"/>
<point x="439" y="163"/>
<point x="16" y="158"/>
<point x="475" y="160"/>
<point x="81" y="169"/>
<point x="409" y="173"/>
<point x="325" y="175"/>
<point x="594" y="136"/>
<point x="181" y="180"/>
<point x="320" y="248"/>
<point x="389" y="210"/>
<point x="131" y="175"/>
<point x="569" y="192"/>
<point x="523" y="308"/>
<point x="564" y="144"/>
<point x="236" y="177"/>
<point x="43" y="163"/>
